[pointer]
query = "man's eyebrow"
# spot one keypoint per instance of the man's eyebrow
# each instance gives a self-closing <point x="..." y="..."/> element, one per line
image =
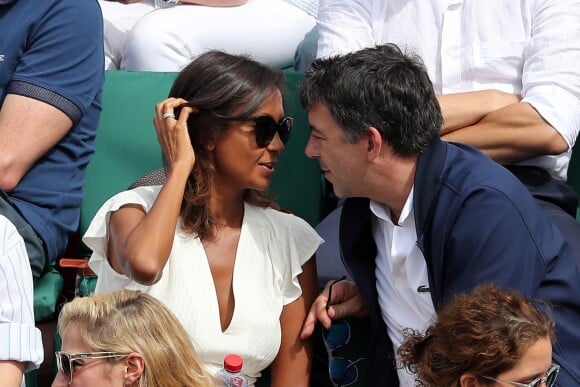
<point x="314" y="129"/>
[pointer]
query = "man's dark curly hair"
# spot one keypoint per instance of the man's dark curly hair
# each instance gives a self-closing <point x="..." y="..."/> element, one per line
<point x="382" y="87"/>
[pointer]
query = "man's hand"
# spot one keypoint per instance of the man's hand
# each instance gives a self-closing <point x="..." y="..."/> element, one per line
<point x="345" y="301"/>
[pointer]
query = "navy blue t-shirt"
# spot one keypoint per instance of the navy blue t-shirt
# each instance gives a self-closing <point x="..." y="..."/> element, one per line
<point x="52" y="51"/>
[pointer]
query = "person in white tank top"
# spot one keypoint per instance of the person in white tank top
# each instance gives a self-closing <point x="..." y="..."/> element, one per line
<point x="141" y="36"/>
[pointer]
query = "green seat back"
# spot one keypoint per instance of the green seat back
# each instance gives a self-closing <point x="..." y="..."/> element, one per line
<point x="298" y="182"/>
<point x="126" y="145"/>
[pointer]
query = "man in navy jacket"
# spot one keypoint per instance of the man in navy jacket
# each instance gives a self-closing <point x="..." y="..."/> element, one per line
<point x="424" y="219"/>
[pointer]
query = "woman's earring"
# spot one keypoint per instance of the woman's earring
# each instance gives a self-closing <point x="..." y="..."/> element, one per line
<point x="210" y="147"/>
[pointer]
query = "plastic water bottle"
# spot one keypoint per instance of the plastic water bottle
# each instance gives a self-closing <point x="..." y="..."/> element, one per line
<point x="231" y="375"/>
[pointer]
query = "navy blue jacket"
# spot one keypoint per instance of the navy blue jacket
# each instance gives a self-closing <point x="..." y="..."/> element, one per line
<point x="476" y="223"/>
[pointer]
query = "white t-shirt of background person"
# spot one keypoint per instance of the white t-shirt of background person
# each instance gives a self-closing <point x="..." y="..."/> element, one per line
<point x="529" y="48"/>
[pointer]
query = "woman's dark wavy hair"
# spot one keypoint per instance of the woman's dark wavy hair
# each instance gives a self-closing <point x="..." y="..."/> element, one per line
<point x="484" y="332"/>
<point x="227" y="85"/>
<point x="382" y="87"/>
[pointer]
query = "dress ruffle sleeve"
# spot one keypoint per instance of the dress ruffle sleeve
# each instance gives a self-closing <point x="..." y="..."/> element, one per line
<point x="97" y="235"/>
<point x="293" y="242"/>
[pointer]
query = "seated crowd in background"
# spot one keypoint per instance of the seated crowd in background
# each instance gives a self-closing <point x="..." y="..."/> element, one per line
<point x="516" y="100"/>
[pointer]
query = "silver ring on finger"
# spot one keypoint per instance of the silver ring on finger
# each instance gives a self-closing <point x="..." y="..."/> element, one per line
<point x="168" y="115"/>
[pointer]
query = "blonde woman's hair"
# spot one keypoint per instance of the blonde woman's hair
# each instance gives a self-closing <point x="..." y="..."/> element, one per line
<point x="131" y="321"/>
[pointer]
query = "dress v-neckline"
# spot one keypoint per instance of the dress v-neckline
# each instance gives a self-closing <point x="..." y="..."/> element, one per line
<point x="235" y="289"/>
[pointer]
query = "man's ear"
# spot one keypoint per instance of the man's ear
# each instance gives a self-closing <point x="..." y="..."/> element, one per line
<point x="135" y="366"/>
<point x="375" y="143"/>
<point x="468" y="380"/>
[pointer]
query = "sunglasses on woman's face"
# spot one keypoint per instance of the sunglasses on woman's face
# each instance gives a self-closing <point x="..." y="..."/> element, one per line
<point x="265" y="127"/>
<point x="549" y="378"/>
<point x="67" y="362"/>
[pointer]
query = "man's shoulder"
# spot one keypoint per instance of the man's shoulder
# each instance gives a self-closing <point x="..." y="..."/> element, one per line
<point x="33" y="25"/>
<point x="80" y="16"/>
<point x="34" y="9"/>
<point x="468" y="179"/>
<point x="466" y="168"/>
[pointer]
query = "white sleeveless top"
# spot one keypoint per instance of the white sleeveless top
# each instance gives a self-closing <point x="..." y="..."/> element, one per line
<point x="272" y="248"/>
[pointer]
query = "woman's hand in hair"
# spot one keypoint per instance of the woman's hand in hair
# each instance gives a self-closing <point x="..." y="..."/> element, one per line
<point x="140" y="242"/>
<point x="172" y="133"/>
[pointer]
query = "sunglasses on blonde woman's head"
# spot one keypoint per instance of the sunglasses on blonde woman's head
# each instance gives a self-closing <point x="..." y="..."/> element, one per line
<point x="549" y="378"/>
<point x="67" y="362"/>
<point x="265" y="127"/>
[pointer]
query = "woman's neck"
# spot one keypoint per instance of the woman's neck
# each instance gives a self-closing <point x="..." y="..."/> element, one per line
<point x="227" y="210"/>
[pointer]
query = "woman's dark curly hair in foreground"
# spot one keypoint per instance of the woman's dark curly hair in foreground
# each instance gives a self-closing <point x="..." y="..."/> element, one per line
<point x="483" y="332"/>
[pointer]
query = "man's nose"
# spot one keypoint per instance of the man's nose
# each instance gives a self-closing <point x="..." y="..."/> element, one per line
<point x="311" y="150"/>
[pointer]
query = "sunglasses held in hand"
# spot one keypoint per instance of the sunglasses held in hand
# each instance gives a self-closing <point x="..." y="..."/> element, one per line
<point x="342" y="372"/>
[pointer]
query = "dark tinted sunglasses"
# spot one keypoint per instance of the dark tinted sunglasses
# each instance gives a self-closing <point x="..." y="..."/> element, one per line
<point x="342" y="372"/>
<point x="67" y="362"/>
<point x="266" y="127"/>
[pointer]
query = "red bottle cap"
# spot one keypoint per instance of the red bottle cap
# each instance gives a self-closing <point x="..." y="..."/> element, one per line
<point x="233" y="363"/>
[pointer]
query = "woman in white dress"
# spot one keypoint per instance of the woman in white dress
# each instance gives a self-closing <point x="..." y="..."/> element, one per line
<point x="209" y="243"/>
